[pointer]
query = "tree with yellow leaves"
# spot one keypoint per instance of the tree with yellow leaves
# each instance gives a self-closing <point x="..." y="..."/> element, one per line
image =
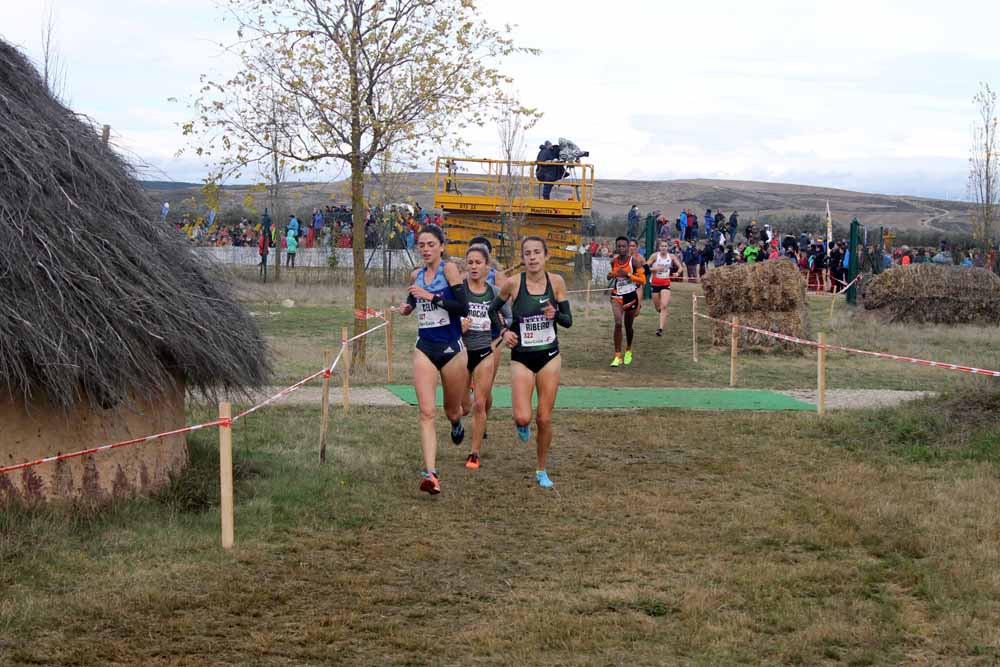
<point x="355" y="79"/>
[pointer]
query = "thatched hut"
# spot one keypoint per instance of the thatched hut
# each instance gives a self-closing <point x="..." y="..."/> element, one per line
<point x="107" y="318"/>
<point x="767" y="295"/>
<point x="936" y="294"/>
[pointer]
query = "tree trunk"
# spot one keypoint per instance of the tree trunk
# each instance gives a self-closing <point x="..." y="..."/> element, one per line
<point x="358" y="245"/>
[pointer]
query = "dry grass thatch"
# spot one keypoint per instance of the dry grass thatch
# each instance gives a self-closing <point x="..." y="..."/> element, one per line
<point x="100" y="301"/>
<point x="936" y="294"/>
<point x="768" y="295"/>
<point x="752" y="288"/>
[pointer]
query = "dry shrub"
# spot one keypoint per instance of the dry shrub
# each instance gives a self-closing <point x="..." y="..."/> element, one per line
<point x="934" y="293"/>
<point x="767" y="295"/>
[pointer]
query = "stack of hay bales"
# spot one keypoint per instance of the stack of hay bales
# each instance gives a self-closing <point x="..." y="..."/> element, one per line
<point x="768" y="295"/>
<point x="937" y="294"/>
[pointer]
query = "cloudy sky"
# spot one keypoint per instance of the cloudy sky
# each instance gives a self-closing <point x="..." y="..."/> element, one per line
<point x="873" y="95"/>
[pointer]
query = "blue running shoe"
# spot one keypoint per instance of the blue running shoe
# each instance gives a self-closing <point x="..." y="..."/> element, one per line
<point x="524" y="433"/>
<point x="543" y="480"/>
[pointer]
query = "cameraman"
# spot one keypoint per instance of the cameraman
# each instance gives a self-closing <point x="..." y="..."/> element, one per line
<point x="548" y="173"/>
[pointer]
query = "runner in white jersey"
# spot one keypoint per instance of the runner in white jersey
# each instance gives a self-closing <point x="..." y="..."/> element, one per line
<point x="661" y="265"/>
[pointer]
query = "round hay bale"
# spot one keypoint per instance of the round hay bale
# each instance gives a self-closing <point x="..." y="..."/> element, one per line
<point x="772" y="285"/>
<point x="936" y="294"/>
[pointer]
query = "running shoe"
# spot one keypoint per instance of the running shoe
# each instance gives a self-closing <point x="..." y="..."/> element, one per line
<point x="543" y="480"/>
<point x="429" y="483"/>
<point x="472" y="461"/>
<point x="616" y="362"/>
<point x="628" y="357"/>
<point x="524" y="433"/>
<point x="457" y="432"/>
<point x="659" y="332"/>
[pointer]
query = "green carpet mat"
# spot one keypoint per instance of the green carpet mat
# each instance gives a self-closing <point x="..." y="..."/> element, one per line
<point x="589" y="398"/>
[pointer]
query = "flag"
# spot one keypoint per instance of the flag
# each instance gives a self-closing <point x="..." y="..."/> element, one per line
<point x="829" y="228"/>
<point x="211" y="217"/>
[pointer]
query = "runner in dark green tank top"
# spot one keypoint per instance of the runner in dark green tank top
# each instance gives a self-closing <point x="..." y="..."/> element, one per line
<point x="539" y="304"/>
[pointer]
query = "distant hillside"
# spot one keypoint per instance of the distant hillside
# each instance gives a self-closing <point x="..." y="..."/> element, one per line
<point x="612" y="198"/>
<point x="167" y="185"/>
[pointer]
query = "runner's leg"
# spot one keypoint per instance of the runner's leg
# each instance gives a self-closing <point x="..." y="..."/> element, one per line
<point x="425" y="377"/>
<point x="522" y="386"/>
<point x="616" y="310"/>
<point x="482" y="379"/>
<point x="455" y="383"/>
<point x="547" y="382"/>
<point x="664" y="302"/>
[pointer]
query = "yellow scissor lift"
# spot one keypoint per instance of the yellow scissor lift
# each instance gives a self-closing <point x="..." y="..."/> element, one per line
<point x="496" y="198"/>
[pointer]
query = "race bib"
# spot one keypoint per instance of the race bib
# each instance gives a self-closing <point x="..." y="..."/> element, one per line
<point x="624" y="286"/>
<point x="479" y="313"/>
<point x="537" y="330"/>
<point x="663" y="275"/>
<point x="429" y="315"/>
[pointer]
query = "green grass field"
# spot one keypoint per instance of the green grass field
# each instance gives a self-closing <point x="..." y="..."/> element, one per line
<point x="672" y="537"/>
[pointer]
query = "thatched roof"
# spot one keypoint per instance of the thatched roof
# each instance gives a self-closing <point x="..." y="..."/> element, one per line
<point x="99" y="300"/>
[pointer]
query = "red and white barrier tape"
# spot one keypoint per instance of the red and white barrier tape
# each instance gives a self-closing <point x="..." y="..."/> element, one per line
<point x="187" y="429"/>
<point x="841" y="348"/>
<point x="116" y="445"/>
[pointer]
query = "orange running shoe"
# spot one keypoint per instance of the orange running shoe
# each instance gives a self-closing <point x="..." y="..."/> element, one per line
<point x="472" y="462"/>
<point x="429" y="483"/>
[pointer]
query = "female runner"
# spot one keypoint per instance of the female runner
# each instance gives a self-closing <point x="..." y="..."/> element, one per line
<point x="479" y="333"/>
<point x="626" y="276"/>
<point x="538" y="304"/>
<point x="662" y="264"/>
<point x="438" y="296"/>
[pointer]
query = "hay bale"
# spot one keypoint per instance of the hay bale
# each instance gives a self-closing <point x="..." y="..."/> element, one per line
<point x="792" y="323"/>
<point x="936" y="294"/>
<point x="773" y="285"/>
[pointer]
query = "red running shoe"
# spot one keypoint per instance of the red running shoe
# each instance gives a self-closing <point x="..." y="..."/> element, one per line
<point x="472" y="462"/>
<point x="429" y="483"/>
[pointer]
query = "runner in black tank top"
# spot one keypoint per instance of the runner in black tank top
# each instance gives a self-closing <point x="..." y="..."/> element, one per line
<point x="539" y="304"/>
<point x="479" y="333"/>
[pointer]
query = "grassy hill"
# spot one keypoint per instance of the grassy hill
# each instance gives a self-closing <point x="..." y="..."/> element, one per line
<point x="612" y="198"/>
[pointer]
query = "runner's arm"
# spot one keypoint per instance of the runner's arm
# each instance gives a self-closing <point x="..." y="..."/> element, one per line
<point x="459" y="305"/>
<point x="564" y="317"/>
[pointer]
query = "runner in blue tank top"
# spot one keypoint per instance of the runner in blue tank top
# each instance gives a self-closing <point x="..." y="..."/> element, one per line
<point x="439" y="299"/>
<point x="539" y="305"/>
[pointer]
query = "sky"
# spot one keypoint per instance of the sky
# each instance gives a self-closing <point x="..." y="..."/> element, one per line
<point x="869" y="95"/>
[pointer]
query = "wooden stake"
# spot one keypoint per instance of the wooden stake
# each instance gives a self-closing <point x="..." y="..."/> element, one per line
<point x="733" y="346"/>
<point x="388" y="346"/>
<point x="821" y="376"/>
<point x="324" y="424"/>
<point x="226" y="474"/>
<point x="586" y="310"/>
<point x="694" y="327"/>
<point x="346" y="363"/>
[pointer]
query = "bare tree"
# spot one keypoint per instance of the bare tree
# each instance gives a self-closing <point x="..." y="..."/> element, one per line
<point x="984" y="166"/>
<point x="53" y="67"/>
<point x="513" y="121"/>
<point x="359" y="78"/>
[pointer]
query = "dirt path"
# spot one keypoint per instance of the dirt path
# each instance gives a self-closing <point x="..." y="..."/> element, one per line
<point x="836" y="399"/>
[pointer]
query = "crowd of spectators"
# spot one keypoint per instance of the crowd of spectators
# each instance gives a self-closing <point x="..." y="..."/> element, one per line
<point x="699" y="245"/>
